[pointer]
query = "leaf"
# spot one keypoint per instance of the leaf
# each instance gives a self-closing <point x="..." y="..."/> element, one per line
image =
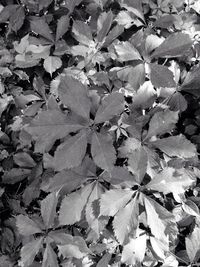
<point x="126" y="52"/>
<point x="111" y="106"/>
<point x="175" y="45"/>
<point x="15" y="175"/>
<point x="103" y="152"/>
<point x="155" y="223"/>
<point x="103" y="25"/>
<point x="172" y="181"/>
<point x="71" y="4"/>
<point x="177" y="146"/>
<point x="62" y="27"/>
<point x="75" y="96"/>
<point x="26" y="226"/>
<point x="191" y="81"/>
<point x="192" y="243"/>
<point x="114" y="200"/>
<point x="145" y="96"/>
<point x="48" y="209"/>
<point x="82" y="32"/>
<point x="71" y="153"/>
<point x="73" y="205"/>
<point x="161" y="76"/>
<point x="134" y="252"/>
<point x="135" y="76"/>
<point x="49" y="257"/>
<point x="17" y="18"/>
<point x="125" y="221"/>
<point x="29" y="251"/>
<point x="40" y="27"/>
<point x="177" y="102"/>
<point x="7" y="12"/>
<point x="52" y="63"/>
<point x="67" y="180"/>
<point x="104" y="261"/>
<point x="44" y="3"/>
<point x="23" y="159"/>
<point x="162" y="122"/>
<point x="50" y="125"/>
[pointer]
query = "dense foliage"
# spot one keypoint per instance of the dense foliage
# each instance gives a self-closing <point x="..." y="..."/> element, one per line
<point x="99" y="140"/>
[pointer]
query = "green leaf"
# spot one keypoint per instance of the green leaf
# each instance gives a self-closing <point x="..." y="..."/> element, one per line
<point x="191" y="81"/>
<point x="103" y="151"/>
<point x="177" y="146"/>
<point x="192" y="243"/>
<point x="126" y="52"/>
<point x="17" y="18"/>
<point x="114" y="200"/>
<point x="7" y="12"/>
<point x="161" y="76"/>
<point x="82" y="32"/>
<point x="103" y="25"/>
<point x="71" y="153"/>
<point x="52" y="63"/>
<point x="48" y="209"/>
<point x="67" y="180"/>
<point x="26" y="226"/>
<point x="71" y="4"/>
<point x="29" y="251"/>
<point x="125" y="221"/>
<point x="44" y="3"/>
<point x="155" y="223"/>
<point x="23" y="159"/>
<point x="49" y="257"/>
<point x="15" y="175"/>
<point x="172" y="181"/>
<point x="175" y="45"/>
<point x="177" y="102"/>
<point x="40" y="27"/>
<point x="133" y="253"/>
<point x="162" y="122"/>
<point x="75" y="96"/>
<point x="110" y="106"/>
<point x="50" y="125"/>
<point x="73" y="205"/>
<point x="62" y="27"/>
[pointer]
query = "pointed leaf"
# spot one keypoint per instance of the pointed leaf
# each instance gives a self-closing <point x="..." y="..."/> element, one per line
<point x="44" y="3"/>
<point x="52" y="63"/>
<point x="17" y="18"/>
<point x="26" y="226"/>
<point x="103" y="152"/>
<point x="177" y="146"/>
<point x="73" y="205"/>
<point x="74" y="95"/>
<point x="62" y="27"/>
<point x="161" y="76"/>
<point x="48" y="209"/>
<point x="162" y="122"/>
<point x="29" y="251"/>
<point x="126" y="52"/>
<point x="103" y="25"/>
<point x="193" y="245"/>
<point x="67" y="180"/>
<point x="71" y="4"/>
<point x="71" y="153"/>
<point x="156" y="225"/>
<point x="134" y="252"/>
<point x="191" y="81"/>
<point x="125" y="221"/>
<point x="172" y="181"/>
<point x="175" y="45"/>
<point x="114" y="200"/>
<point x="82" y="32"/>
<point x="40" y="27"/>
<point x="50" y="125"/>
<point x="49" y="257"/>
<point x="111" y="106"/>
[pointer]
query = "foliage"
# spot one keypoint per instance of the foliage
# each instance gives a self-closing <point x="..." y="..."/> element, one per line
<point x="99" y="142"/>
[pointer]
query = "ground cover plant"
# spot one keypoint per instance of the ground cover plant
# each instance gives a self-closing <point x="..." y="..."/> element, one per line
<point x="99" y="137"/>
